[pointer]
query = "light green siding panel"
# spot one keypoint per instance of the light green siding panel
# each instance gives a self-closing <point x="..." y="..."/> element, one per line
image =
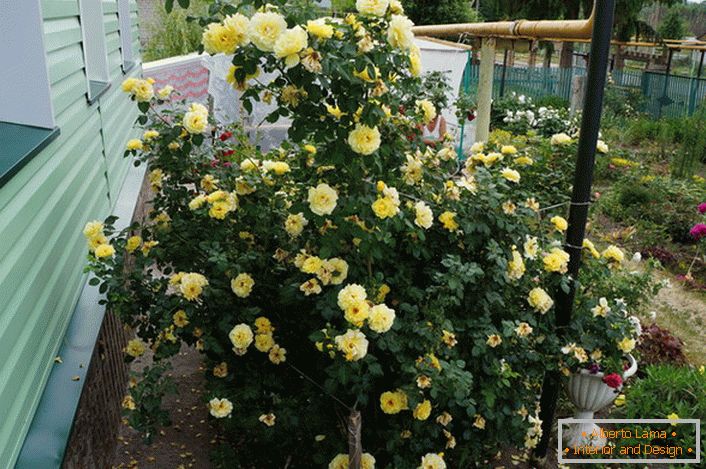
<point x="51" y="175"/>
<point x="59" y="8"/>
<point x="61" y="33"/>
<point x="64" y="62"/>
<point x="44" y="206"/>
<point x="68" y="91"/>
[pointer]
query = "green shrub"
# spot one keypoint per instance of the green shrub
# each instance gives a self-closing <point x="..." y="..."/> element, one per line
<point x="440" y="11"/>
<point x="343" y="5"/>
<point x="172" y="35"/>
<point x="552" y="101"/>
<point x="667" y="390"/>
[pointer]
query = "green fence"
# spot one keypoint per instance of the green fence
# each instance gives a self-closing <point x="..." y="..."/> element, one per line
<point x="673" y="96"/>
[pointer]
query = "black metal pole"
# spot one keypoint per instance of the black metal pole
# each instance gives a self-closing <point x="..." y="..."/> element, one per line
<point x="502" y="77"/>
<point x="701" y="64"/>
<point x="663" y="100"/>
<point x="580" y="198"/>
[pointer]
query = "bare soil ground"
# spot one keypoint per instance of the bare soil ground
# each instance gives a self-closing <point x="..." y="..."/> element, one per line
<point x="187" y="443"/>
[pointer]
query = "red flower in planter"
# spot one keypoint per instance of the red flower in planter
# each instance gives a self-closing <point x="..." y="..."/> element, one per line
<point x="225" y="136"/>
<point x="613" y="380"/>
<point x="228" y="152"/>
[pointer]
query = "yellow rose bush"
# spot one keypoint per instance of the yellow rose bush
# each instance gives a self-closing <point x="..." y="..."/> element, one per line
<point x="350" y="268"/>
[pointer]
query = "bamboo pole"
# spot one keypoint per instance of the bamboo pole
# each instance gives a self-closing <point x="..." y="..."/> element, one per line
<point x="485" y="88"/>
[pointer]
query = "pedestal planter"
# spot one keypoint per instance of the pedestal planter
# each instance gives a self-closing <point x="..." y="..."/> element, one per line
<point x="590" y="394"/>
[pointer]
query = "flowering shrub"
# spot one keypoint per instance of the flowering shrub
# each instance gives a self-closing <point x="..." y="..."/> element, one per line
<point x="518" y="114"/>
<point x="349" y="269"/>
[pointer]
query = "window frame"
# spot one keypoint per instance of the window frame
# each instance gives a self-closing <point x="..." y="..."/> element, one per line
<point x="95" y="51"/>
<point x="127" y="51"/>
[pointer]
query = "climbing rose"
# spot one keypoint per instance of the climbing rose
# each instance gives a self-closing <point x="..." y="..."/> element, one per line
<point x="702" y="207"/>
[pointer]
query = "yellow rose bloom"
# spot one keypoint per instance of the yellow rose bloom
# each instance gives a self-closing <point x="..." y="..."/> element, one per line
<point x="364" y="140"/>
<point x="135" y="348"/>
<point x="601" y="147"/>
<point x="393" y="402"/>
<point x="350" y="295"/>
<point x="209" y="183"/>
<point x="494" y="340"/>
<point x="523" y="329"/>
<point x="415" y="62"/>
<point x="263" y="325"/>
<point x="357" y="313"/>
<point x="427" y="109"/>
<point x="277" y="167"/>
<point x="195" y="122"/>
<point x="289" y="44"/>
<point x="93" y="229"/>
<point x="588" y="244"/>
<point x="626" y="345"/>
<point x="311" y="265"/>
<point x="104" y="250"/>
<point x="226" y="37"/>
<point x="399" y="33"/>
<point x="372" y="7"/>
<point x="310" y="287"/>
<point x="318" y="28"/>
<point x="560" y="223"/>
<point x="241" y="336"/>
<point x="479" y="422"/>
<point x="197" y="202"/>
<point x="448" y="219"/>
<point x="150" y="135"/>
<point x="339" y="462"/>
<point x="242" y="285"/>
<point x="265" y="28"/>
<point x="129" y="403"/>
<point x="165" y="92"/>
<point x="322" y="199"/>
<point x="508" y="150"/>
<point x="385" y="207"/>
<point x="352" y="344"/>
<point x="423" y="216"/>
<point x="422" y="410"/>
<point x="560" y="139"/>
<point x="143" y="91"/>
<point x="191" y="285"/>
<point x="135" y="144"/>
<point x="220" y="370"/>
<point x="540" y="300"/>
<point x="516" y="266"/>
<point x="129" y="84"/>
<point x="556" y="261"/>
<point x="264" y="342"/>
<point x="133" y="243"/>
<point x="335" y="111"/>
<point x="277" y="355"/>
<point x="531" y="247"/>
<point x="381" y="318"/>
<point x="220" y="408"/>
<point x="294" y="224"/>
<point x="524" y="161"/>
<point x="432" y="461"/>
<point x="511" y="175"/>
<point x="613" y="254"/>
<point x="180" y="318"/>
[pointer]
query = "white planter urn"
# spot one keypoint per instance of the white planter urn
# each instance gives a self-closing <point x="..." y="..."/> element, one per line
<point x="590" y="394"/>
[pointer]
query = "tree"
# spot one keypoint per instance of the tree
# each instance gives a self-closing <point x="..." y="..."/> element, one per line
<point x="673" y="26"/>
<point x="440" y="11"/>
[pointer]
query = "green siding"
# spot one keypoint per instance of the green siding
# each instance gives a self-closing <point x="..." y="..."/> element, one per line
<point x="44" y="207"/>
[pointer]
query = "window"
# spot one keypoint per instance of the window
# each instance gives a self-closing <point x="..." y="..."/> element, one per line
<point x="26" y="115"/>
<point x="94" y="50"/>
<point x="125" y="24"/>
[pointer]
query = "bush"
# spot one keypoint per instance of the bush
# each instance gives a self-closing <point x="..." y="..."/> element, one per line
<point x="440" y="11"/>
<point x="172" y="35"/>
<point x="350" y="269"/>
<point x="667" y="391"/>
<point x="658" y="345"/>
<point x="519" y="114"/>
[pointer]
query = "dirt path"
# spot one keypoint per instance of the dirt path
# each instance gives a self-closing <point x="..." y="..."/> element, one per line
<point x="187" y="443"/>
<point x="683" y="312"/>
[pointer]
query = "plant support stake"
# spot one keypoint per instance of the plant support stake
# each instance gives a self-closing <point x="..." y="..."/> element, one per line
<point x="580" y="198"/>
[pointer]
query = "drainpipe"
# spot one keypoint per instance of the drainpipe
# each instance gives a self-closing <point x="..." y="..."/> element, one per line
<point x="580" y="198"/>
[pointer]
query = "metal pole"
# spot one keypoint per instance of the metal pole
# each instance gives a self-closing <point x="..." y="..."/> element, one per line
<point x="502" y="78"/>
<point x="580" y="198"/>
<point x="663" y="100"/>
<point x="485" y="88"/>
<point x="701" y="64"/>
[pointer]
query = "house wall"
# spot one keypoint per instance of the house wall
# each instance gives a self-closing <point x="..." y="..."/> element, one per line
<point x="43" y="209"/>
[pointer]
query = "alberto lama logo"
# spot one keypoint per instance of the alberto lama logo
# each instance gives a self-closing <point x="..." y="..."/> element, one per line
<point x="600" y="441"/>
<point x="647" y="448"/>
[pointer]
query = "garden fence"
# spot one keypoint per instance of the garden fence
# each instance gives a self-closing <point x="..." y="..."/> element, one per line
<point x="672" y="96"/>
